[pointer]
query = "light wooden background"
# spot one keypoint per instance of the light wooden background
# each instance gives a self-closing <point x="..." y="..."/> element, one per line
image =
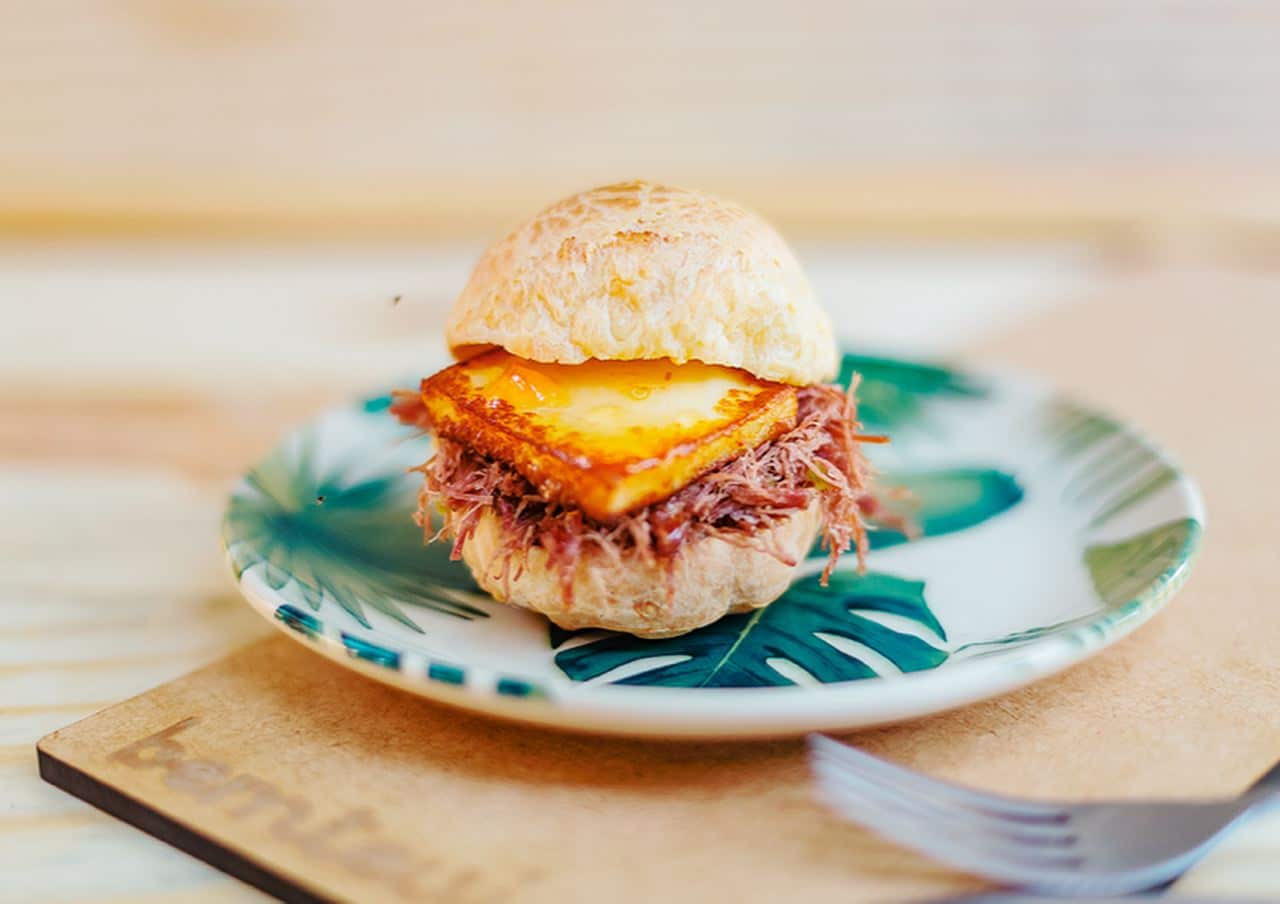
<point x="401" y="118"/>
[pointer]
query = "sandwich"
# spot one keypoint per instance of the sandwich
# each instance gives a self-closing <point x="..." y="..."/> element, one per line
<point x="640" y="434"/>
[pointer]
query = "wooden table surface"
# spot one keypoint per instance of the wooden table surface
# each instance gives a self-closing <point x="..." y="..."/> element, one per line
<point x="113" y="579"/>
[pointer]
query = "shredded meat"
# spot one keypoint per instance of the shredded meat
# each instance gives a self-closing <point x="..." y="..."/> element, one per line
<point x="739" y="502"/>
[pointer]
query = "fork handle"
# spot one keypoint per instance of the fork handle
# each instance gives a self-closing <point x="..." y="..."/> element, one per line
<point x="1269" y="779"/>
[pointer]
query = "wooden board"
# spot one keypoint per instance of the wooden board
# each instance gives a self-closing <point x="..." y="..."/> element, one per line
<point x="315" y="784"/>
<point x="156" y="822"/>
<point x="286" y="769"/>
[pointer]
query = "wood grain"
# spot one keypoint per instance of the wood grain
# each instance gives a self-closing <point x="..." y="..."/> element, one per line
<point x="217" y="117"/>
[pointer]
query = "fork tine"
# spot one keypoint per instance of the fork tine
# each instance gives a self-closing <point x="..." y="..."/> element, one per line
<point x="944" y="815"/>
<point x="1052" y="878"/>
<point x="960" y="853"/>
<point x="865" y="763"/>
<point x="919" y="803"/>
<point x="932" y="837"/>
<point x="1091" y="849"/>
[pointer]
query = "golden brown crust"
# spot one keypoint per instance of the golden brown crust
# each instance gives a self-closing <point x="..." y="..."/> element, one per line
<point x="711" y="579"/>
<point x="637" y="270"/>
<point x="603" y="479"/>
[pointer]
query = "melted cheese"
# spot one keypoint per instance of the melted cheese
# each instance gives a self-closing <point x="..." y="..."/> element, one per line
<point x="606" y="436"/>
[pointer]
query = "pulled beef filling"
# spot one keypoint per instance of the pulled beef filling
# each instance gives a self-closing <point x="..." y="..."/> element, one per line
<point x="739" y="502"/>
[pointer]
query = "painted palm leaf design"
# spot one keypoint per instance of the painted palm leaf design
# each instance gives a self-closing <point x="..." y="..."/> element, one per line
<point x="892" y="393"/>
<point x="945" y="501"/>
<point x="332" y="532"/>
<point x="1122" y="571"/>
<point x="1115" y="469"/>
<point x="811" y="634"/>
<point x="1123" y="575"/>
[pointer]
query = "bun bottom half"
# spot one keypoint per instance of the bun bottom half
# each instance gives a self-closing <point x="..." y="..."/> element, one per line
<point x="711" y="578"/>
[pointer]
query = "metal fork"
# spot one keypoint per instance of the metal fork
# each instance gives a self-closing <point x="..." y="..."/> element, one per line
<point x="1050" y="847"/>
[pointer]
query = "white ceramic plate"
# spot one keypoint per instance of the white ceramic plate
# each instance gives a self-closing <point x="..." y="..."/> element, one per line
<point x="1050" y="531"/>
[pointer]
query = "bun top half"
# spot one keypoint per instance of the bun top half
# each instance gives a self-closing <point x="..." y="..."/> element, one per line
<point x="637" y="270"/>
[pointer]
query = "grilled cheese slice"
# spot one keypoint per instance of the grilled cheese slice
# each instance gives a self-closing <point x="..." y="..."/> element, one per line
<point x="606" y="437"/>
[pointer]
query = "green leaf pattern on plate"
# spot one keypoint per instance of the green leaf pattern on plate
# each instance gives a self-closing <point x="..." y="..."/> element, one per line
<point x="1122" y="570"/>
<point x="1128" y="472"/>
<point x="946" y="501"/>
<point x="811" y="634"/>
<point x="1123" y="575"/>
<point x="320" y="533"/>
<point x="892" y="393"/>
